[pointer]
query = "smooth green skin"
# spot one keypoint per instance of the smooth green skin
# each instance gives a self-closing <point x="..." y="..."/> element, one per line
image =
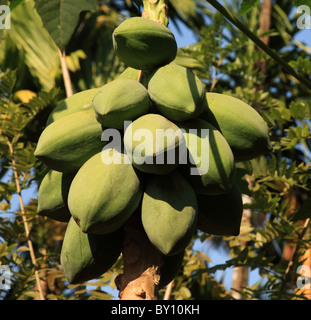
<point x="245" y="130"/>
<point x="222" y="214"/>
<point x="220" y="175"/>
<point x="87" y="256"/>
<point x="78" y="102"/>
<point x="131" y="73"/>
<point x="169" y="212"/>
<point x="103" y="196"/>
<point x="120" y="100"/>
<point x="144" y="44"/>
<point x="176" y="92"/>
<point x="150" y="145"/>
<point x="53" y="194"/>
<point x="170" y="267"/>
<point x="66" y="144"/>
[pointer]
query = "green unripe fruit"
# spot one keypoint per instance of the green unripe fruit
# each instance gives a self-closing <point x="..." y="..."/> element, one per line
<point x="104" y="193"/>
<point x="78" y="102"/>
<point x="245" y="130"/>
<point x="154" y="144"/>
<point x="176" y="92"/>
<point x="134" y="74"/>
<point x="130" y="73"/>
<point x="144" y="44"/>
<point x="53" y="194"/>
<point x="67" y="143"/>
<point x="120" y="100"/>
<point x="87" y="256"/>
<point x="221" y="214"/>
<point x="169" y="212"/>
<point x="210" y="166"/>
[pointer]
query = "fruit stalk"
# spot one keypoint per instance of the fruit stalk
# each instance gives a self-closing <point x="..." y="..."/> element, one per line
<point x="156" y="10"/>
<point x="142" y="261"/>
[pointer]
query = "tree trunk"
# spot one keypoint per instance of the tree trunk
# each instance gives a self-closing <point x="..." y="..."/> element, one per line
<point x="142" y="262"/>
<point x="239" y="281"/>
<point x="265" y="19"/>
<point x="264" y="26"/>
<point x="240" y="274"/>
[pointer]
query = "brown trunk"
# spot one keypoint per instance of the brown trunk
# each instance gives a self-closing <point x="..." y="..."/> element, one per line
<point x="265" y="19"/>
<point x="240" y="274"/>
<point x="264" y="26"/>
<point x="290" y="247"/>
<point x="43" y="278"/>
<point x="239" y="281"/>
<point x="142" y="262"/>
<point x="265" y="22"/>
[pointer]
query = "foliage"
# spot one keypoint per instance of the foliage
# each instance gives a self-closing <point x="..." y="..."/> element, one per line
<point x="61" y="18"/>
<point x="228" y="62"/>
<point x="247" y="6"/>
<point x="302" y="3"/>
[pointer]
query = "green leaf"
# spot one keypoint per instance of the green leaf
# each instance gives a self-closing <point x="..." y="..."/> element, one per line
<point x="297" y="110"/>
<point x="15" y="3"/>
<point x="60" y="17"/>
<point x="185" y="293"/>
<point x="30" y="38"/>
<point x="302" y="2"/>
<point x="303" y="65"/>
<point x="247" y="6"/>
<point x="7" y="80"/>
<point x="96" y="294"/>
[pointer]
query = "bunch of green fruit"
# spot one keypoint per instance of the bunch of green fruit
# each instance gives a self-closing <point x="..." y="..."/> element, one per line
<point x="172" y="160"/>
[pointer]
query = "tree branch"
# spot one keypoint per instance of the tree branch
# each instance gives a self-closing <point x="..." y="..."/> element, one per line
<point x="214" y="82"/>
<point x="265" y="22"/>
<point x="168" y="290"/>
<point x="259" y="43"/>
<point x="66" y="75"/>
<point x="295" y="254"/>
<point x="26" y="226"/>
